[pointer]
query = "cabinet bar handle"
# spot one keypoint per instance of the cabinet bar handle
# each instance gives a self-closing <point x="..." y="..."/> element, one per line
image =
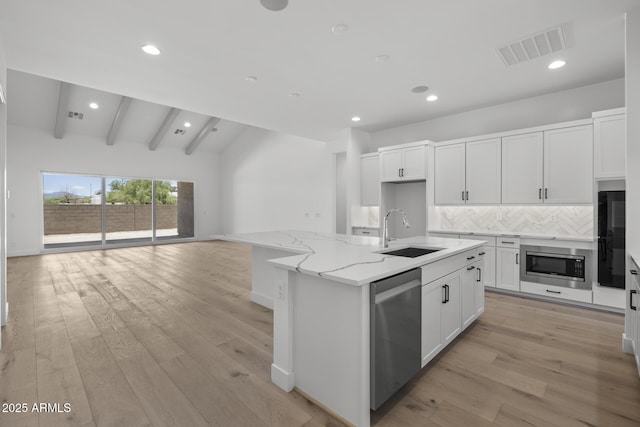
<point x="482" y="253"/>
<point x="634" y="272"/>
<point x="470" y="268"/>
<point x="508" y="243"/>
<point x="631" y="306"/>
<point x="517" y="258"/>
<point x="399" y="173"/>
<point x="446" y="293"/>
<point x="467" y="196"/>
<point x="469" y="258"/>
<point x="463" y="195"/>
<point x="479" y="279"/>
<point x="553" y="292"/>
<point x="540" y="193"/>
<point x="546" y="193"/>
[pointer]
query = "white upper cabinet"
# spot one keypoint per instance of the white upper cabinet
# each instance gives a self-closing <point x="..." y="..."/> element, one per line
<point x="468" y="173"/>
<point x="450" y="175"/>
<point x="483" y="172"/>
<point x="568" y="163"/>
<point x="609" y="138"/>
<point x="370" y="180"/>
<point x="403" y="164"/>
<point x="554" y="166"/>
<point x="522" y="172"/>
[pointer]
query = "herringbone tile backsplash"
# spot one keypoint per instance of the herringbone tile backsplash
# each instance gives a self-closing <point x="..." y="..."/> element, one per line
<point x="553" y="220"/>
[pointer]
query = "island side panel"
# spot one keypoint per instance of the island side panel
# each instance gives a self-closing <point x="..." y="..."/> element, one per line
<point x="263" y="274"/>
<point x="331" y="345"/>
<point x="282" y="373"/>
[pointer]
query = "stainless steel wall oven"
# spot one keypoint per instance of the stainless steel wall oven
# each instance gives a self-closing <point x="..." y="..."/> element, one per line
<point x="566" y="267"/>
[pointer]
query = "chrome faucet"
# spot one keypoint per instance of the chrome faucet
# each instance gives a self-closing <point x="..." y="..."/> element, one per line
<point x="385" y="226"/>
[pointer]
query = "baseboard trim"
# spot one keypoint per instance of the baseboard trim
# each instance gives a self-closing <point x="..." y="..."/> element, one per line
<point x="26" y="252"/>
<point x="261" y="299"/>
<point x="627" y="344"/>
<point x="284" y="380"/>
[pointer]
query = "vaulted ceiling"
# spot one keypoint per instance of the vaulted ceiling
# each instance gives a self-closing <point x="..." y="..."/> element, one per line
<point x="36" y="102"/>
<point x="316" y="63"/>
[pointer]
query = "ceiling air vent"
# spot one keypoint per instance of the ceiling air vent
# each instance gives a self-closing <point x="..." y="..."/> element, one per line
<point x="74" y="115"/>
<point x="533" y="46"/>
<point x="179" y="131"/>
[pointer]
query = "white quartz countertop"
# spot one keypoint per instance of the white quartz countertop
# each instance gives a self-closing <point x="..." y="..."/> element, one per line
<point x="524" y="235"/>
<point x="354" y="260"/>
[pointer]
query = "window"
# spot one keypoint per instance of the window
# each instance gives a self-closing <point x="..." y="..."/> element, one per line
<point x="81" y="210"/>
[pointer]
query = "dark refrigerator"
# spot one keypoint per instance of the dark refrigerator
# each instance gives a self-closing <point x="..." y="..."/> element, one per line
<point x="611" y="245"/>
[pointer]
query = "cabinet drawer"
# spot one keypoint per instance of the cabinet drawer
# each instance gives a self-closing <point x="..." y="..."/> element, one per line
<point x="358" y="231"/>
<point x="508" y="242"/>
<point x="438" y="269"/>
<point x="491" y="240"/>
<point x="557" y="292"/>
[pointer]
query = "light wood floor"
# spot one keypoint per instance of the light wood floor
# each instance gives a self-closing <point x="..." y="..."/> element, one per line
<point x="166" y="335"/>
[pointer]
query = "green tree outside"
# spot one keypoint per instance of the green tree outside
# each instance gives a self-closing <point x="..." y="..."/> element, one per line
<point x="138" y="192"/>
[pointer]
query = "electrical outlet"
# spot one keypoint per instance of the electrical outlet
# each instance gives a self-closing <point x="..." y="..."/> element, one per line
<point x="554" y="217"/>
<point x="498" y="216"/>
<point x="282" y="293"/>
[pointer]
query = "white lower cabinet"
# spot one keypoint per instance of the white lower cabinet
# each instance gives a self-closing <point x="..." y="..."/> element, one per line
<point x="488" y="255"/>
<point x="508" y="264"/>
<point x="441" y="320"/>
<point x="472" y="293"/>
<point x="561" y="292"/>
<point x="634" y="312"/>
<point x="432" y="299"/>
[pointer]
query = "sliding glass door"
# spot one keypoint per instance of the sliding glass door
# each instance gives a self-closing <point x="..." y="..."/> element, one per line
<point x="71" y="210"/>
<point x="128" y="210"/>
<point x="174" y="209"/>
<point x="81" y="210"/>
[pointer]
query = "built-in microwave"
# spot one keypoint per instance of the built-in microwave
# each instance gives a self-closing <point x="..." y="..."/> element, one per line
<point x="566" y="267"/>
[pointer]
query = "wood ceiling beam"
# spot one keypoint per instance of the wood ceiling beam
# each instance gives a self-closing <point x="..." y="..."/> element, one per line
<point x="125" y="102"/>
<point x="63" y="110"/>
<point x="164" y="127"/>
<point x="211" y="123"/>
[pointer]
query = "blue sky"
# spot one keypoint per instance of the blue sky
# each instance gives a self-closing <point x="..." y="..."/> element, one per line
<point x="80" y="185"/>
<point x="77" y="184"/>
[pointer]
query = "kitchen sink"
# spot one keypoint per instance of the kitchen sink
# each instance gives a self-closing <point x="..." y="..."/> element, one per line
<point x="411" y="252"/>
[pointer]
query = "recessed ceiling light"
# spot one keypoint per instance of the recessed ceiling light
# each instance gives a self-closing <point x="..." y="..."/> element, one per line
<point x="420" y="89"/>
<point x="340" y="28"/>
<point x="294" y="95"/>
<point x="187" y="124"/>
<point x="432" y="98"/>
<point x="251" y="78"/>
<point x="274" y="5"/>
<point x="355" y="119"/>
<point x="382" y="58"/>
<point x="557" y="64"/>
<point x="151" y="49"/>
<point x="94" y="106"/>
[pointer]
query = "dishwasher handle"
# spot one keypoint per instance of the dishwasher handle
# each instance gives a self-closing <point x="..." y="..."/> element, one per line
<point x="388" y="294"/>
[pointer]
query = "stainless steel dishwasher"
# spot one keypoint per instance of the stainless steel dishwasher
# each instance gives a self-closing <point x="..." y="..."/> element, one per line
<point x="395" y="333"/>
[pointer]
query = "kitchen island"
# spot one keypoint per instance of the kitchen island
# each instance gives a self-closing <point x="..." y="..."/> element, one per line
<point x="321" y="303"/>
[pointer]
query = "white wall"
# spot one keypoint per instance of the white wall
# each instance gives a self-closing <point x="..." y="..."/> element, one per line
<point x="341" y="193"/>
<point x="357" y="144"/>
<point x="633" y="138"/>
<point x="32" y="151"/>
<point x="557" y="107"/>
<point x="275" y="181"/>
<point x="3" y="168"/>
